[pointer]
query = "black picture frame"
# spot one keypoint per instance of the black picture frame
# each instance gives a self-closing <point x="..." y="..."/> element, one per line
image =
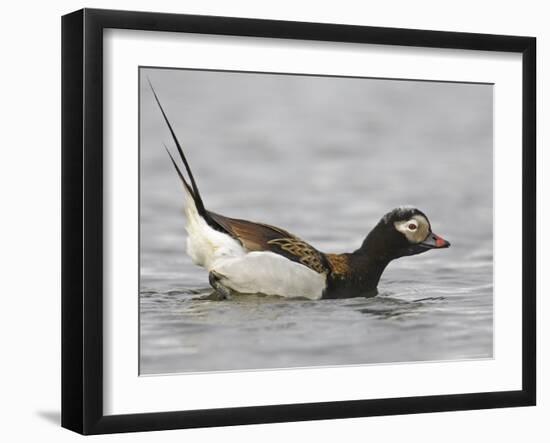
<point x="82" y="220"/>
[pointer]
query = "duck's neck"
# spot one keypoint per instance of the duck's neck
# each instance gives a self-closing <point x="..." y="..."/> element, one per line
<point x="366" y="269"/>
<point x="363" y="267"/>
<point x="361" y="276"/>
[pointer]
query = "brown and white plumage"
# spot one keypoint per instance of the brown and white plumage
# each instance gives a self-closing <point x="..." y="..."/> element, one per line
<point x="245" y="256"/>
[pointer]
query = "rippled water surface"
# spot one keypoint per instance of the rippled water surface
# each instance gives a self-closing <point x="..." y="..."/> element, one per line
<point x="324" y="158"/>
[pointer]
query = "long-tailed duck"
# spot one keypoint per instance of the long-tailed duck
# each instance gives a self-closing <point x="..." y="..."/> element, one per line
<point x="248" y="257"/>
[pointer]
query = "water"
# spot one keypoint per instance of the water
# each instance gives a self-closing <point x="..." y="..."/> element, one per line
<point x="323" y="158"/>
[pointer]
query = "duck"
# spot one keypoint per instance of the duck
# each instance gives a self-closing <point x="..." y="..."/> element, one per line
<point x="247" y="257"/>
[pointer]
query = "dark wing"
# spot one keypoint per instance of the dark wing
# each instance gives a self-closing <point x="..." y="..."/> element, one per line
<point x="261" y="237"/>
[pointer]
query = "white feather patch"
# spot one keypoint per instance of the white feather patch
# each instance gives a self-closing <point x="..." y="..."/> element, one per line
<point x="271" y="274"/>
<point x="204" y="244"/>
<point x="421" y="228"/>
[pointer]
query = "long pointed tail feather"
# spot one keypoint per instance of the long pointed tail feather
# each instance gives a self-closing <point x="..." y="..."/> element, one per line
<point x="192" y="189"/>
<point x="196" y="194"/>
<point x="182" y="178"/>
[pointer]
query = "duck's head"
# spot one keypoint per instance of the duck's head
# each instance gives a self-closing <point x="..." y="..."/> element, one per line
<point x="401" y="232"/>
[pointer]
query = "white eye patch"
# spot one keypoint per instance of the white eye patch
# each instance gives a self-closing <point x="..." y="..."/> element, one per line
<point x="416" y="229"/>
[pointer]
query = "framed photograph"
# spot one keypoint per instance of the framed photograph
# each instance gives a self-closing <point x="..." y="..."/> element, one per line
<point x="268" y="221"/>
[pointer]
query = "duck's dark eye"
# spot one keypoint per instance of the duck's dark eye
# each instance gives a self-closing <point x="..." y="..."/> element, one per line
<point x="412" y="226"/>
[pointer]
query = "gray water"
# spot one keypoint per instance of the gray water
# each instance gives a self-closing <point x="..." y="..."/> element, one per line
<point x="324" y="158"/>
